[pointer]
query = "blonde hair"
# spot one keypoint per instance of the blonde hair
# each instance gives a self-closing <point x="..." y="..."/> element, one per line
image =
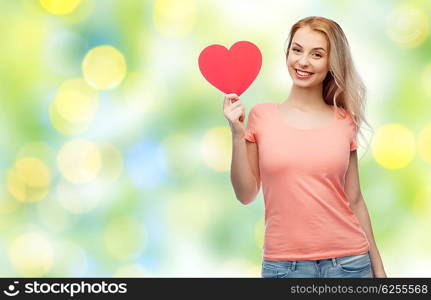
<point x="342" y="86"/>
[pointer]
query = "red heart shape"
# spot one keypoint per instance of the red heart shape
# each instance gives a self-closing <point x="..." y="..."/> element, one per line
<point x="233" y="70"/>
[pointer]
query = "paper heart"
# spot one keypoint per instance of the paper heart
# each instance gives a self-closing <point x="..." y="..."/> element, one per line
<point x="233" y="70"/>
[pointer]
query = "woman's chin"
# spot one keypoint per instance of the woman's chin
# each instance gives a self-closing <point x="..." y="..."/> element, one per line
<point x="301" y="82"/>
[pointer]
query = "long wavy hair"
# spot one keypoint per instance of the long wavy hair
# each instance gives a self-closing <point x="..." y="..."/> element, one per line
<point x="342" y="86"/>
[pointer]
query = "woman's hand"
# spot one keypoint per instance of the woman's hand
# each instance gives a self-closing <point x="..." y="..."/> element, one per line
<point x="234" y="113"/>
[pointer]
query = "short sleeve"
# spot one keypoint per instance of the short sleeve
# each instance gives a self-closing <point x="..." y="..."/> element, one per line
<point x="250" y="130"/>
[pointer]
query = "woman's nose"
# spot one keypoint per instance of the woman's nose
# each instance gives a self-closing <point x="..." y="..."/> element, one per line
<point x="303" y="61"/>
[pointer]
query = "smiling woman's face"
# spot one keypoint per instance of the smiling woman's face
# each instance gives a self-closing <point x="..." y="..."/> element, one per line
<point x="308" y="52"/>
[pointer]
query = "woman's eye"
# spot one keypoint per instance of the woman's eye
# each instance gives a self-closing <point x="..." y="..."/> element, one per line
<point x="296" y="49"/>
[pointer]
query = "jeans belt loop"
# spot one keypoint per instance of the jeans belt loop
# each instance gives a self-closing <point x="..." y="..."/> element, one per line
<point x="293" y="265"/>
<point x="334" y="262"/>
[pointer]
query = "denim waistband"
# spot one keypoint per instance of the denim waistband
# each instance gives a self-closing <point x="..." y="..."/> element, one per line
<point x="334" y="260"/>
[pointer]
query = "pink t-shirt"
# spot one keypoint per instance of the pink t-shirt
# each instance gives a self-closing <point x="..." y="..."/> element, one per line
<point x="307" y="213"/>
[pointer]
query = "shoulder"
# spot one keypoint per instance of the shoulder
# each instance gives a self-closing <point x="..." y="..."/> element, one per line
<point x="348" y="119"/>
<point x="345" y="115"/>
<point x="262" y="108"/>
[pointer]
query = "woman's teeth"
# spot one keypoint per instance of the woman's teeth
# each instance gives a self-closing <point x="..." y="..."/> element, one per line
<point x="303" y="73"/>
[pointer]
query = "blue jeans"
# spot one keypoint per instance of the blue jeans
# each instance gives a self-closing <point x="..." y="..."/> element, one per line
<point x="344" y="266"/>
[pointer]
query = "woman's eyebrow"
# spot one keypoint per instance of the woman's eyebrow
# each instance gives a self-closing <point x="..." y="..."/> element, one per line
<point x="311" y="49"/>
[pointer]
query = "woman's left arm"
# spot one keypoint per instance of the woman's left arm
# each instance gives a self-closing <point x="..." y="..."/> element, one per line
<point x="357" y="203"/>
<point x="360" y="209"/>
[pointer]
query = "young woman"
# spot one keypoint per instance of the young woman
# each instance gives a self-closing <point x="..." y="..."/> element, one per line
<point x="303" y="152"/>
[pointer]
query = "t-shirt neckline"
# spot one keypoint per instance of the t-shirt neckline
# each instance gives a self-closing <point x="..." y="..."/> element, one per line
<point x="280" y="118"/>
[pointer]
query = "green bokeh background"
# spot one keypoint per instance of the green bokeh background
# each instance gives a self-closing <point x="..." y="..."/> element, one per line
<point x="172" y="210"/>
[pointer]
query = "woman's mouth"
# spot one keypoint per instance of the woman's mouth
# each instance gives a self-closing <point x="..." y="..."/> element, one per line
<point x="302" y="74"/>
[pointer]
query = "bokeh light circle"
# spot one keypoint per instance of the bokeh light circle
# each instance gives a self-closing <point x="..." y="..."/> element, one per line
<point x="76" y="101"/>
<point x="29" y="179"/>
<point x="59" y="7"/>
<point x="146" y="165"/>
<point x="174" y="18"/>
<point x="112" y="163"/>
<point x="408" y="26"/>
<point x="79" y="161"/>
<point x="33" y="172"/>
<point x="104" y="67"/>
<point x="79" y="199"/>
<point x="31" y="255"/>
<point x="393" y="146"/>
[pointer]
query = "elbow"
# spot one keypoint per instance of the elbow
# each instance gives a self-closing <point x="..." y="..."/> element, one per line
<point x="250" y="197"/>
<point x="245" y="192"/>
<point x="245" y="201"/>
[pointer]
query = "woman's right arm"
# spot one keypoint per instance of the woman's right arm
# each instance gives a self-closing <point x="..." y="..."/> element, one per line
<point x="245" y="175"/>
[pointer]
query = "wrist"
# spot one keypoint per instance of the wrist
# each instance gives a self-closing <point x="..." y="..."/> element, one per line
<point x="379" y="274"/>
<point x="238" y="135"/>
<point x="379" y="271"/>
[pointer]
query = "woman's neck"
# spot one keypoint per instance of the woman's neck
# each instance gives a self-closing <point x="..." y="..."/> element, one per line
<point x="308" y="98"/>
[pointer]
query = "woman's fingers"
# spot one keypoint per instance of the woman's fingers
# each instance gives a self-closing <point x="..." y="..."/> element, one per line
<point x="232" y="106"/>
<point x="235" y="105"/>
<point x="229" y="99"/>
<point x="237" y="113"/>
<point x="234" y="112"/>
